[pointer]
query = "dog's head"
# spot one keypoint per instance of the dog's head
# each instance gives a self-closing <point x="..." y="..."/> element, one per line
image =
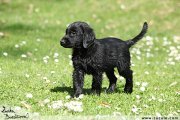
<point x="78" y="35"/>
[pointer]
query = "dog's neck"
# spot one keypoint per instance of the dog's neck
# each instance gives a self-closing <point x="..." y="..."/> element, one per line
<point x="84" y="52"/>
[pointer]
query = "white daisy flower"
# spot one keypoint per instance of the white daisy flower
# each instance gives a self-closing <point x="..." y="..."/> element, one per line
<point x="176" y="39"/>
<point x="23" y="42"/>
<point x="134" y="109"/>
<point x="57" y="104"/>
<point x="46" y="57"/>
<point x="27" y="75"/>
<point x="148" y="38"/>
<point x="138" y="57"/>
<point x="56" y="60"/>
<point x="133" y="64"/>
<point x="144" y="84"/>
<point x="138" y="52"/>
<point x="46" y="101"/>
<point x="1" y="34"/>
<point x="17" y="108"/>
<point x="74" y="106"/>
<point x="45" y="78"/>
<point x="165" y="38"/>
<point x="48" y="81"/>
<point x="160" y="100"/>
<point x="158" y="114"/>
<point x="142" y="89"/>
<point x="146" y="72"/>
<point x="5" y="53"/>
<point x="36" y="114"/>
<point x="52" y="72"/>
<point x="45" y="61"/>
<point x="56" y="55"/>
<point x="29" y="95"/>
<point x="153" y="97"/>
<point x="148" y="55"/>
<point x="23" y="56"/>
<point x="149" y="43"/>
<point x="78" y="109"/>
<point x="16" y="46"/>
<point x="172" y="63"/>
<point x="38" y="39"/>
<point x="76" y="103"/>
<point x="70" y="63"/>
<point x="138" y="96"/>
<point x="36" y="49"/>
<point x="70" y="56"/>
<point x="116" y="114"/>
<point x="138" y="83"/>
<point x="123" y="7"/>
<point x="68" y="97"/>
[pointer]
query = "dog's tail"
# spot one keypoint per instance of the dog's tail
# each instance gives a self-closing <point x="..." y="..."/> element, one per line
<point x="131" y="42"/>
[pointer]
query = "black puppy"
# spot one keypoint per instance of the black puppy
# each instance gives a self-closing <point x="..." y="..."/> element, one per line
<point x="95" y="56"/>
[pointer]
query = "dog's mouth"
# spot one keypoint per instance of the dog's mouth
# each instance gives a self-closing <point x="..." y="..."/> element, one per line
<point x="66" y="45"/>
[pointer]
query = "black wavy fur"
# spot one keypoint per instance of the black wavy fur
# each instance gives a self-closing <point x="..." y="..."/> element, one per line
<point x="96" y="56"/>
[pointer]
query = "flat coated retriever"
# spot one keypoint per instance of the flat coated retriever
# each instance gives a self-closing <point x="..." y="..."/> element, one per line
<point x="95" y="56"/>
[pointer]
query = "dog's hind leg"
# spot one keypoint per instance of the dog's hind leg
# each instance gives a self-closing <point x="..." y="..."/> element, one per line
<point x="112" y="81"/>
<point x="124" y="70"/>
<point x="127" y="74"/>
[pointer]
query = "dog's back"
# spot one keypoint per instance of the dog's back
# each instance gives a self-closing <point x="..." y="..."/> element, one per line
<point x="112" y="50"/>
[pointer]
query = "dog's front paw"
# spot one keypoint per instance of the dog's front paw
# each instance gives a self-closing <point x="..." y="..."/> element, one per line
<point x="111" y="89"/>
<point x="128" y="90"/>
<point x="77" y="94"/>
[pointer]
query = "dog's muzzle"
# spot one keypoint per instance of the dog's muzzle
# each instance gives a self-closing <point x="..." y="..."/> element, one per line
<point x="62" y="42"/>
<point x="65" y="43"/>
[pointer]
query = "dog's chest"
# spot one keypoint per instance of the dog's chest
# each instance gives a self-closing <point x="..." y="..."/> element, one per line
<point x="89" y="65"/>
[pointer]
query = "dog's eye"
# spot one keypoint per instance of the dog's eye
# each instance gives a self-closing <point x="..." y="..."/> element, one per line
<point x="73" y="33"/>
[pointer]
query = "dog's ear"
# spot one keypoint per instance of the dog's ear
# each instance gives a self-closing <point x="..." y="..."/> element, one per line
<point x="88" y="36"/>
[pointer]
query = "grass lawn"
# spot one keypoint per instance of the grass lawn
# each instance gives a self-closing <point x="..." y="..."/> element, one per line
<point x="35" y="70"/>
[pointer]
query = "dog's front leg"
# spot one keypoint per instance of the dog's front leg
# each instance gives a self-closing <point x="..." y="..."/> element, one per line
<point x="78" y="81"/>
<point x="97" y="83"/>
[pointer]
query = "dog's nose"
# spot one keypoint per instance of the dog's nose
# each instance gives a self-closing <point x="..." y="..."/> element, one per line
<point x="62" y="42"/>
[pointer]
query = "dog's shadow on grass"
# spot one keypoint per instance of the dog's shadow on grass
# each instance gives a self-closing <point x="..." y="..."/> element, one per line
<point x="62" y="89"/>
<point x="86" y="91"/>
